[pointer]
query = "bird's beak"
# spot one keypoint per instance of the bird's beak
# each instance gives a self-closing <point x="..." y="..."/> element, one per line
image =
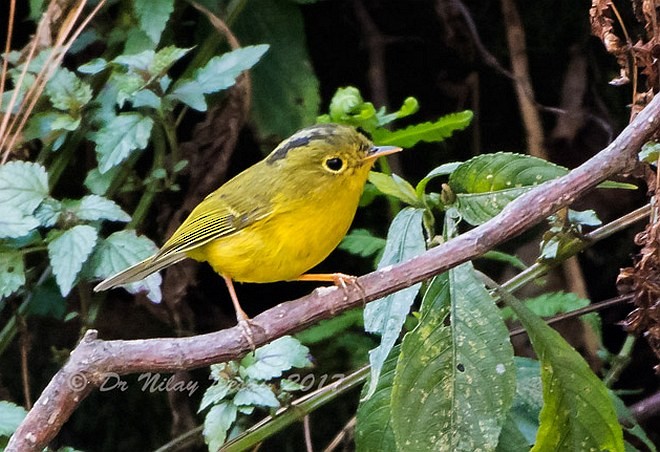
<point x="380" y="151"/>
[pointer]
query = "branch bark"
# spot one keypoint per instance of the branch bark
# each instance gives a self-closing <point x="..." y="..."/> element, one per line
<point x="93" y="358"/>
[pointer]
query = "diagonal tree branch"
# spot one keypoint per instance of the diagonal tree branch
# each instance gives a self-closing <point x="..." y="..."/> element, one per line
<point x="93" y="359"/>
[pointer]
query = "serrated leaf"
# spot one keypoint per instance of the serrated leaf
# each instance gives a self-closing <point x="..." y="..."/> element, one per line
<point x="122" y="135"/>
<point x="218" y="74"/>
<point x="48" y="126"/>
<point x="387" y="315"/>
<point x="99" y="183"/>
<point x="23" y="185"/>
<point x="577" y="411"/>
<point x="118" y="252"/>
<point x="94" y="207"/>
<point x="11" y="416"/>
<point x="13" y="223"/>
<point x="271" y="360"/>
<point x="430" y="132"/>
<point x="48" y="212"/>
<point x="373" y="431"/>
<point x="12" y="272"/>
<point x="285" y="89"/>
<point x="67" y="92"/>
<point x="136" y="62"/>
<point x="256" y="394"/>
<point x="217" y="423"/>
<point x="165" y="58"/>
<point x="152" y="16"/>
<point x="217" y="392"/>
<point x="362" y="243"/>
<point x="455" y="369"/>
<point x="146" y="98"/>
<point x="396" y="186"/>
<point x="68" y="251"/>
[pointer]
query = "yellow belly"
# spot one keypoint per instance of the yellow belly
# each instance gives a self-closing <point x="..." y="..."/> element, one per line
<point x="284" y="245"/>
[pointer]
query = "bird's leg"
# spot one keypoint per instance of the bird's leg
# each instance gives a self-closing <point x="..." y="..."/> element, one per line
<point x="338" y="279"/>
<point x="241" y="317"/>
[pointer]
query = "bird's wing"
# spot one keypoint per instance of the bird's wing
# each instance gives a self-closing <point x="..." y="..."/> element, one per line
<point x="218" y="215"/>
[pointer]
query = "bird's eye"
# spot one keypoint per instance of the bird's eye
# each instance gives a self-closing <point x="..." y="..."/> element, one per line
<point x="334" y="164"/>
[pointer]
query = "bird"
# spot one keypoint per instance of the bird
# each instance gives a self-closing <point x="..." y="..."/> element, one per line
<point x="278" y="218"/>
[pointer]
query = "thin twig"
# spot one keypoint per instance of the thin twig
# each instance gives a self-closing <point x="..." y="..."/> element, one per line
<point x="25" y="372"/>
<point x="341" y="436"/>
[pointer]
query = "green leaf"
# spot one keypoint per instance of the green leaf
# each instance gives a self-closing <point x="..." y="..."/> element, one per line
<point x="396" y="186"/>
<point x="122" y="135"/>
<point x="505" y="258"/>
<point x="528" y="400"/>
<point x="152" y="16"/>
<point x="165" y="57"/>
<point x="11" y="416"/>
<point x="47" y="301"/>
<point x="442" y="170"/>
<point x="348" y="107"/>
<point x="584" y="217"/>
<point x="99" y="183"/>
<point x="373" y="431"/>
<point x="67" y="92"/>
<point x="455" y="370"/>
<point x="331" y="328"/>
<point x="94" y="66"/>
<point x="271" y="360"/>
<point x="387" y="315"/>
<point x="217" y="392"/>
<point x="13" y="223"/>
<point x="485" y="184"/>
<point x="121" y="250"/>
<point x="218" y="74"/>
<point x="50" y="125"/>
<point x="362" y="243"/>
<point x="577" y="411"/>
<point x="285" y="89"/>
<point x="630" y="423"/>
<point x="409" y="106"/>
<point x="68" y="251"/>
<point x="256" y="394"/>
<point x="216" y="424"/>
<point x="650" y="152"/>
<point x="429" y="131"/>
<point x="94" y="207"/>
<point x="23" y="185"/>
<point x="12" y="272"/>
<point x="511" y="439"/>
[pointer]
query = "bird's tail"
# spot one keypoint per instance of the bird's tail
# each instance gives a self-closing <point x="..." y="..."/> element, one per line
<point x="139" y="271"/>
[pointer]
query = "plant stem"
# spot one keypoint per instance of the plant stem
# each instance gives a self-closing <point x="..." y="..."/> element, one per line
<point x="63" y="157"/>
<point x="296" y="411"/>
<point x="620" y="361"/>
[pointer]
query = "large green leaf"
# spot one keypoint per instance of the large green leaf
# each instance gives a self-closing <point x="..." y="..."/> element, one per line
<point x="14" y="223"/>
<point x="485" y="184"/>
<point x="286" y="90"/>
<point x="271" y="360"/>
<point x="68" y="251"/>
<point x="217" y="422"/>
<point x="23" y="185"/>
<point x="373" y="431"/>
<point x="528" y="400"/>
<point x="577" y="411"/>
<point x="455" y="379"/>
<point x="387" y="315"/>
<point x="120" y="137"/>
<point x="152" y="16"/>
<point x="11" y="416"/>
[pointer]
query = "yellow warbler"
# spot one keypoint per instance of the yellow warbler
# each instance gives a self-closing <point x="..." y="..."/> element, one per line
<point x="278" y="218"/>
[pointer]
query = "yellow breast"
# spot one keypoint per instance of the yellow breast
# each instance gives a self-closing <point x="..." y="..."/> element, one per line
<point x="284" y="245"/>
